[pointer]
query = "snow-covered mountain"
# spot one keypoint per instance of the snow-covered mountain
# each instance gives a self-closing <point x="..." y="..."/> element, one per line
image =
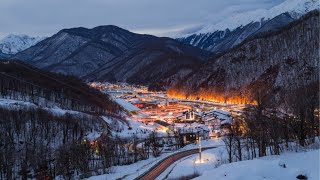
<point x="13" y="44"/>
<point x="296" y="8"/>
<point x="270" y="60"/>
<point x="236" y="28"/>
<point x="110" y="53"/>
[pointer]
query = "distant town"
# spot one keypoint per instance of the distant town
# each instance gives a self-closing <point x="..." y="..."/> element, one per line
<point x="191" y="118"/>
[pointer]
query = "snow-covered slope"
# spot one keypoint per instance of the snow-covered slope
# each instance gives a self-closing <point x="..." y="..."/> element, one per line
<point x="235" y="29"/>
<point x="13" y="44"/>
<point x="305" y="163"/>
<point x="296" y="8"/>
<point x="267" y="56"/>
<point x="269" y="167"/>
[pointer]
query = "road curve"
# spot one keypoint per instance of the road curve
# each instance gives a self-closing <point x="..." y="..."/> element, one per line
<point x="162" y="165"/>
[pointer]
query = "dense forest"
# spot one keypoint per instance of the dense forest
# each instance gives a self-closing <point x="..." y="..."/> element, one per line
<point x="264" y="129"/>
<point x="36" y="141"/>
<point x="20" y="81"/>
<point x="31" y="140"/>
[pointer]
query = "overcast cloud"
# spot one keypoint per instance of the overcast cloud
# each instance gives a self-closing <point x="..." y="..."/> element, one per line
<point x="158" y="17"/>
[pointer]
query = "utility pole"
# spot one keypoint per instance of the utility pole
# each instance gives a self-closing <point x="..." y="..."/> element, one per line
<point x="199" y="149"/>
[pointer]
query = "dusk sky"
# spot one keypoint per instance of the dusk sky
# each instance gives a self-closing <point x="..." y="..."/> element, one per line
<point x="46" y="17"/>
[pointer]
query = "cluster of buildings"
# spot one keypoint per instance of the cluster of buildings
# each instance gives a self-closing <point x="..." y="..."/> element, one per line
<point x="173" y="116"/>
<point x="218" y="121"/>
<point x="119" y="87"/>
<point x="188" y="119"/>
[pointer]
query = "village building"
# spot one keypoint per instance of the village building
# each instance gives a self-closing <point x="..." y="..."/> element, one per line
<point x="127" y="106"/>
<point x="189" y="116"/>
<point x="218" y="121"/>
<point x="190" y="133"/>
<point x="172" y="102"/>
<point x="189" y="137"/>
<point x="147" y="104"/>
<point x="163" y="125"/>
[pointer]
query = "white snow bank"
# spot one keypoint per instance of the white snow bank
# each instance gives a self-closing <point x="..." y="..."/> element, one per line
<point x="305" y="163"/>
<point x="269" y="167"/>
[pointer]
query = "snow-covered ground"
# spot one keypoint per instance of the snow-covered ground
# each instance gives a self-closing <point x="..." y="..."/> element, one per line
<point x="128" y="172"/>
<point x="18" y="104"/>
<point x="52" y="107"/>
<point x="131" y="171"/>
<point x="269" y="167"/>
<point x="132" y="128"/>
<point x="15" y="104"/>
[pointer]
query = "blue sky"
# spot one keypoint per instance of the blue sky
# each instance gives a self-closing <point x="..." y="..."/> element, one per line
<point x="158" y="17"/>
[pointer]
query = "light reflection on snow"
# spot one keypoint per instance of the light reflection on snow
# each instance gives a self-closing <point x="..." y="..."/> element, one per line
<point x="202" y="161"/>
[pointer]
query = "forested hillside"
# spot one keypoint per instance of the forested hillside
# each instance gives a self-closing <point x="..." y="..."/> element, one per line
<point x="20" y="81"/>
<point x="273" y="63"/>
<point x="110" y="53"/>
<point x="47" y="122"/>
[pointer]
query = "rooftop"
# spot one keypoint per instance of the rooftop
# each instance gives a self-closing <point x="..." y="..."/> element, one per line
<point x="126" y="105"/>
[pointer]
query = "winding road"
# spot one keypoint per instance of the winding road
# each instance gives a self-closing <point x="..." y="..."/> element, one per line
<point x="162" y="165"/>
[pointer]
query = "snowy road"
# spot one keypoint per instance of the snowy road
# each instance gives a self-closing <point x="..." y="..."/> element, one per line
<point x="161" y="166"/>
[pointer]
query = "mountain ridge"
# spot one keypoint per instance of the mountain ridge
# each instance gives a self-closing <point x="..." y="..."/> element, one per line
<point x="268" y="62"/>
<point x="295" y="8"/>
<point x="220" y="41"/>
<point x="82" y="52"/>
<point x="231" y="31"/>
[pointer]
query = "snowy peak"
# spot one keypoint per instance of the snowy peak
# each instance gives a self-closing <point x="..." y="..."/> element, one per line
<point x="231" y="31"/>
<point x="220" y="41"/>
<point x="296" y="8"/>
<point x="13" y="44"/>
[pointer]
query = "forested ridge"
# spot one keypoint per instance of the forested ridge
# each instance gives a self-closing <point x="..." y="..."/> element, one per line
<point x="275" y="62"/>
<point x="45" y="122"/>
<point x="22" y="82"/>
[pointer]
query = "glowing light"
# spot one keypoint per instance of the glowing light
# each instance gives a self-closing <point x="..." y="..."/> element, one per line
<point x="207" y="95"/>
<point x="202" y="161"/>
<point x="96" y="151"/>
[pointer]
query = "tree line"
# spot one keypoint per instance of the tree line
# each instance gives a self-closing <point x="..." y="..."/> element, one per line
<point x="266" y="129"/>
<point x="21" y="82"/>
